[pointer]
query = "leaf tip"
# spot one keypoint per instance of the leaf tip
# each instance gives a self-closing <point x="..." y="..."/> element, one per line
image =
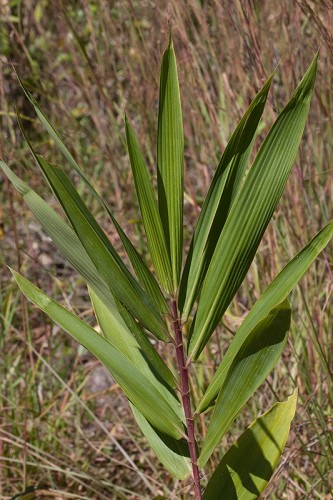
<point x="12" y="270"/>
<point x="293" y="397"/>
<point x="15" y="274"/>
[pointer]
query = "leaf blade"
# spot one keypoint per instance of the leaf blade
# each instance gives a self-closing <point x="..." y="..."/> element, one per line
<point x="170" y="161"/>
<point x="137" y="348"/>
<point x="71" y="247"/>
<point x="250" y="214"/>
<point x="149" y="211"/>
<point x="61" y="233"/>
<point x="246" y="468"/>
<point x="275" y="293"/>
<point x="225" y="185"/>
<point x="173" y="454"/>
<point x="135" y="385"/>
<point x="141" y="270"/>
<point x="253" y="362"/>
<point x="101" y="252"/>
<point x="145" y="276"/>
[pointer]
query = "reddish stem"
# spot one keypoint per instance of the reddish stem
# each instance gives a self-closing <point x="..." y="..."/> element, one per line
<point x="185" y="394"/>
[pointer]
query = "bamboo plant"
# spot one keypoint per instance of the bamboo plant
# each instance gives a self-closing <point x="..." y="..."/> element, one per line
<point x="180" y="299"/>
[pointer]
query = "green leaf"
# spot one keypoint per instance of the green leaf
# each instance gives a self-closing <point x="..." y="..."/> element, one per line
<point x="106" y="260"/>
<point x="69" y="244"/>
<point x="149" y="211"/>
<point x="152" y="356"/>
<point x="170" y="160"/>
<point x="250" y="213"/>
<point x="250" y="367"/>
<point x="113" y="327"/>
<point x="145" y="276"/>
<point x="223" y="189"/>
<point x="172" y="453"/>
<point x="273" y="295"/>
<point x="50" y="129"/>
<point x="246" y="468"/>
<point x="137" y="387"/>
<point x="47" y="168"/>
<point x="61" y="233"/>
<point x="137" y="348"/>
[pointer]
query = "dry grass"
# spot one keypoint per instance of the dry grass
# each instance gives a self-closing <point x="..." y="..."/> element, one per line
<point x="65" y="427"/>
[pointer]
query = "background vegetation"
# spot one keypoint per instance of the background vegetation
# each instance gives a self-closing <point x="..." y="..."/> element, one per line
<point x="64" y="425"/>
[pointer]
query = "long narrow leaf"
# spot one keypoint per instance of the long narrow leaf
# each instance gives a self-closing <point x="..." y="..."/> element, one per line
<point x="71" y="247"/>
<point x="73" y="194"/>
<point x="253" y="362"/>
<point x="152" y="356"/>
<point x="144" y="275"/>
<point x="170" y="160"/>
<point x="273" y="295"/>
<point x="136" y="386"/>
<point x="61" y="233"/>
<point x="250" y="213"/>
<point x="141" y="354"/>
<point x="140" y="268"/>
<point x="248" y="465"/>
<point x="49" y="127"/>
<point x="223" y="189"/>
<point x="100" y="250"/>
<point x="149" y="211"/>
<point x="172" y="453"/>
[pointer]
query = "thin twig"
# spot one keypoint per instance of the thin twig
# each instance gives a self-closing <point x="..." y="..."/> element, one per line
<point x="185" y="394"/>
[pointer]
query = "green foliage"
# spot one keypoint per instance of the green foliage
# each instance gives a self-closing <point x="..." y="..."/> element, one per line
<point x="248" y="465"/>
<point x="223" y="189"/>
<point x="149" y="211"/>
<point x="234" y="216"/>
<point x="254" y="361"/>
<point x="170" y="161"/>
<point x="251" y="211"/>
